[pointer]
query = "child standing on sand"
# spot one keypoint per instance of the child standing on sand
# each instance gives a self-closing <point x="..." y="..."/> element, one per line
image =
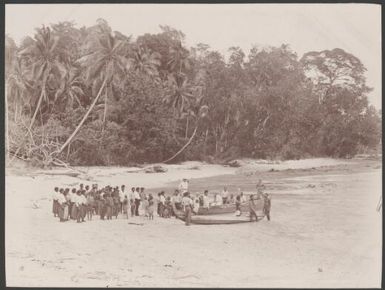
<point x="55" y="204"/>
<point x="145" y="205"/>
<point x="151" y="207"/>
<point x="90" y="206"/>
<point x="125" y="206"/>
<point x="132" y="207"/>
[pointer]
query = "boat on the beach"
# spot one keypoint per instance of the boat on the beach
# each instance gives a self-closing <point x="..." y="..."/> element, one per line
<point x="228" y="208"/>
<point x="223" y="218"/>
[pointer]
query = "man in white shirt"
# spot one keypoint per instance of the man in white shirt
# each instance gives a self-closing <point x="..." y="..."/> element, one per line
<point x="225" y="195"/>
<point x="218" y="199"/>
<point x="183" y="186"/>
<point x="137" y="201"/>
<point x="55" y="205"/>
<point x="122" y="193"/>
<point x="187" y="203"/>
<point x="206" y="200"/>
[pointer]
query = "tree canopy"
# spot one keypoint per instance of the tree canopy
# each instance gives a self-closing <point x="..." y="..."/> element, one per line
<point x="93" y="96"/>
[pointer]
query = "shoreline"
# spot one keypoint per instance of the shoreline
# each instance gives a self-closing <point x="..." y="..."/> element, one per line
<point x="334" y="221"/>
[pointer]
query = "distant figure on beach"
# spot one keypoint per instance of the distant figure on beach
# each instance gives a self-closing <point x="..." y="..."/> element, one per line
<point x="218" y="199"/>
<point x="252" y="206"/>
<point x="260" y="187"/>
<point x="266" y="205"/>
<point x="151" y="207"/>
<point x="187" y="203"/>
<point x="238" y="205"/>
<point x="206" y="200"/>
<point x="183" y="186"/>
<point x="137" y="201"/>
<point x="225" y="195"/>
<point x="177" y="199"/>
<point x="55" y="203"/>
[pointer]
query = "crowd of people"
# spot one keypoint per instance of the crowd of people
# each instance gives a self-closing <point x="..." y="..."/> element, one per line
<point x="83" y="203"/>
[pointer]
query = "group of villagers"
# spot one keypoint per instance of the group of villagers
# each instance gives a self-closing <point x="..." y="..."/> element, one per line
<point x="107" y="202"/>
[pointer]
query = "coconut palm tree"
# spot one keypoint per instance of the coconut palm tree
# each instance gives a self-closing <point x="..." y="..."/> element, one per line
<point x="145" y="62"/>
<point x="200" y="115"/>
<point x="103" y="61"/>
<point x="70" y="89"/>
<point x="178" y="93"/>
<point x="179" y="58"/>
<point x="40" y="54"/>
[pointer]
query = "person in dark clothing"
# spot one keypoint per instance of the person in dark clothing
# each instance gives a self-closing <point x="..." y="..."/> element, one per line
<point x="266" y="205"/>
<point x="137" y="201"/>
<point x="252" y="208"/>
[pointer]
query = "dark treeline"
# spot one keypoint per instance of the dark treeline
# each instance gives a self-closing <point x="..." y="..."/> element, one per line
<point x="91" y="96"/>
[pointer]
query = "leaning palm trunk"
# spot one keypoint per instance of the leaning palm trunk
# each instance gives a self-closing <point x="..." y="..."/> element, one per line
<point x="31" y="124"/>
<point x="6" y="121"/>
<point x="84" y="118"/>
<point x="105" y="107"/>
<point x="184" y="147"/>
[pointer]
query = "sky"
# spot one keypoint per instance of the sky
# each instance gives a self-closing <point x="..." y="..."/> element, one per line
<point x="356" y="28"/>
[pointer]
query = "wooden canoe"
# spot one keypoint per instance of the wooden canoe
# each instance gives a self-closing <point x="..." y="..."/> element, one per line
<point x="217" y="219"/>
<point x="229" y="208"/>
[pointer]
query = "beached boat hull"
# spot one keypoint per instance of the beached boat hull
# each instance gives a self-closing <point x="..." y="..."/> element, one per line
<point x="218" y="219"/>
<point x="228" y="208"/>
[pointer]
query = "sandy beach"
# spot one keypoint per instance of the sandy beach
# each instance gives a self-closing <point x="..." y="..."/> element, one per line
<point x="325" y="230"/>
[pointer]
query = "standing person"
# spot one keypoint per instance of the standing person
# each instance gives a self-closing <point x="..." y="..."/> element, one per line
<point x="55" y="204"/>
<point x="225" y="195"/>
<point x="109" y="206"/>
<point x="102" y="204"/>
<point x="177" y="199"/>
<point x="71" y="203"/>
<point x="243" y="198"/>
<point x="151" y="207"/>
<point x="260" y="187"/>
<point x="187" y="204"/>
<point x="252" y="208"/>
<point x="266" y="205"/>
<point x="132" y="207"/>
<point x="122" y="195"/>
<point x="137" y="201"/>
<point x="218" y="199"/>
<point x="231" y="199"/>
<point x="116" y="207"/>
<point x="90" y="206"/>
<point x="62" y="204"/>
<point x="78" y="203"/>
<point x="145" y="205"/>
<point x="183" y="186"/>
<point x="142" y="196"/>
<point x="126" y="206"/>
<point x="206" y="200"/>
<point x="238" y="205"/>
<point x="67" y="203"/>
<point x="83" y="206"/>
<point x="167" y="207"/>
<point x="74" y="199"/>
<point x="161" y="203"/>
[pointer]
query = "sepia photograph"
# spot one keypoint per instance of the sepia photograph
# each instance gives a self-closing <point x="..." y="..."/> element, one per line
<point x="193" y="145"/>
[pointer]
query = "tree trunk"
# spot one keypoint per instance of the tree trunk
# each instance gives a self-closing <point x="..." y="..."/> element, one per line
<point x="105" y="106"/>
<point x="32" y="122"/>
<point x="6" y="121"/>
<point x="184" y="147"/>
<point x="84" y="118"/>
<point x="185" y="135"/>
<point x="37" y="107"/>
<point x="205" y="143"/>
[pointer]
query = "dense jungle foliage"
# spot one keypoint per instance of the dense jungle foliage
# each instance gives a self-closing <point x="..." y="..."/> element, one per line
<point x="93" y="96"/>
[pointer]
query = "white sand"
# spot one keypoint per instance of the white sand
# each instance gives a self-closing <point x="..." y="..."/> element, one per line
<point x="328" y="236"/>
